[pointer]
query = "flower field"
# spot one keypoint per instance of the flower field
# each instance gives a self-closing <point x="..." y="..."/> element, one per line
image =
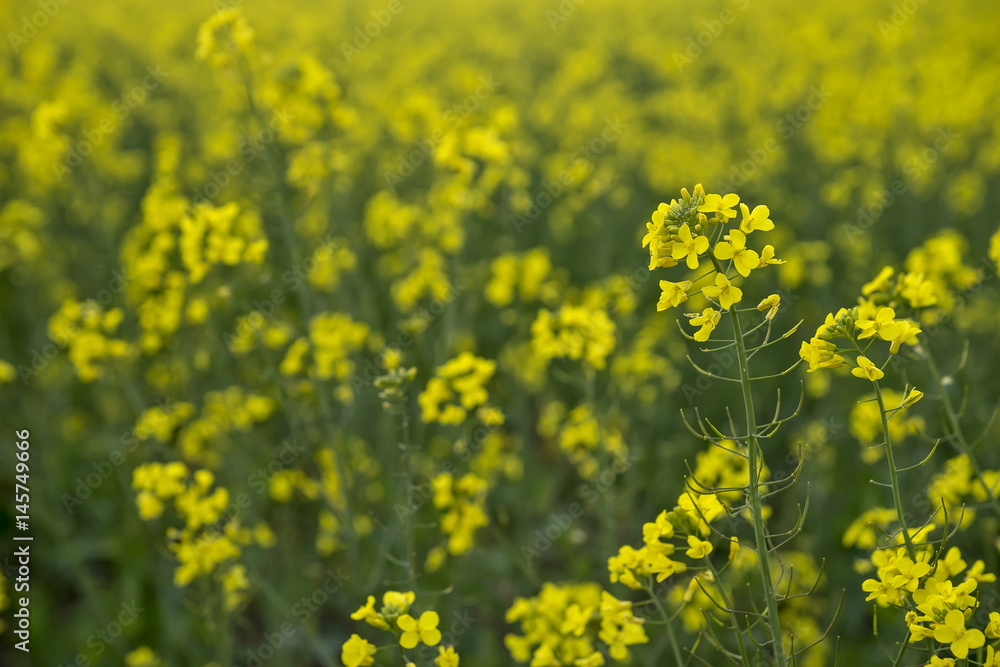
<point x="438" y="332"/>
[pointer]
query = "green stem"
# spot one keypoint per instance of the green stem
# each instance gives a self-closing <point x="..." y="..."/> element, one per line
<point x="306" y="306"/>
<point x="670" y="627"/>
<point x="753" y="491"/>
<point x="411" y="544"/>
<point x="893" y="475"/>
<point x="958" y="436"/>
<point x="732" y="614"/>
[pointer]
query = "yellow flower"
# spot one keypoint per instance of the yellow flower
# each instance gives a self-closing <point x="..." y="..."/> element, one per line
<point x="673" y="294"/>
<point x="866" y="369"/>
<point x="767" y="257"/>
<point x="770" y="304"/>
<point x="721" y="207"/>
<point x="357" y="652"/>
<point x="419" y="630"/>
<point x="446" y="657"/>
<point x="575" y="622"/>
<point x="884" y="325"/>
<point x="953" y="632"/>
<point x="744" y="259"/>
<point x="708" y="320"/>
<point x="368" y="614"/>
<point x="993" y="628"/>
<point x="698" y="548"/>
<point x="142" y="657"/>
<point x="734" y="548"/>
<point x="757" y="220"/>
<point x="595" y="659"/>
<point x="992" y="657"/>
<point x="880" y="282"/>
<point x="912" y="397"/>
<point x="907" y="333"/>
<point x="689" y="247"/>
<point x="724" y="291"/>
<point x="819" y="353"/>
<point x="7" y="371"/>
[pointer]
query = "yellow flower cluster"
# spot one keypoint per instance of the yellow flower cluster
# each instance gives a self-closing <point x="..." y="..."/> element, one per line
<point x="223" y="412"/>
<point x="219" y="235"/>
<point x="574" y="332"/>
<point x="457" y="387"/>
<point x="581" y="437"/>
<point x="200" y="547"/>
<point x="559" y="626"/>
<point x="161" y="421"/>
<point x="694" y="226"/>
<point x="955" y="484"/>
<point x="334" y="337"/>
<point x="224" y="38"/>
<point x="465" y="501"/>
<point x="937" y="608"/>
<point x="84" y="328"/>
<point x="410" y="632"/>
<point x="528" y="276"/>
<point x="867" y="320"/>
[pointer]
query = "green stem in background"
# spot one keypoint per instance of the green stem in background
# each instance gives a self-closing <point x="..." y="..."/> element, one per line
<point x="307" y="308"/>
<point x="411" y="538"/>
<point x="668" y="624"/>
<point x="319" y="648"/>
<point x="957" y="435"/>
<point x="225" y="636"/>
<point x="732" y="614"/>
<point x="753" y="491"/>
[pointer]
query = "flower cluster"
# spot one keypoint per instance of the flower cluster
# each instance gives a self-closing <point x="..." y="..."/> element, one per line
<point x="696" y="225"/>
<point x="457" y="387"/>
<point x="410" y="631"/>
<point x="208" y="541"/>
<point x="937" y="608"/>
<point x="574" y="332"/>
<point x="563" y="624"/>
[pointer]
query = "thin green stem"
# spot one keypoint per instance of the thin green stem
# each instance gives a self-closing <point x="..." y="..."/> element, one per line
<point x="958" y="436"/>
<point x="893" y="475"/>
<point x="305" y="304"/>
<point x="893" y="471"/>
<point x="675" y="647"/>
<point x="753" y="491"/>
<point x="732" y="613"/>
<point x="411" y="540"/>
